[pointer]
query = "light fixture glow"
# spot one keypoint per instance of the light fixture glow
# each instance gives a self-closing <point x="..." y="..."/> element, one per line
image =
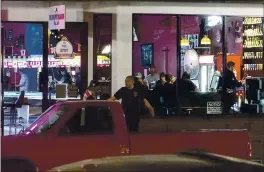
<point x="107" y="49"/>
<point x="214" y="20"/>
<point x="205" y="40"/>
<point x="185" y="42"/>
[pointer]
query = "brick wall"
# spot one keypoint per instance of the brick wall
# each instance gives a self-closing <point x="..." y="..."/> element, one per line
<point x="255" y="127"/>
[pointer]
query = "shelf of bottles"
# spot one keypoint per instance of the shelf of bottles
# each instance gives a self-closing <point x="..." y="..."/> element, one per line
<point x="253" y="44"/>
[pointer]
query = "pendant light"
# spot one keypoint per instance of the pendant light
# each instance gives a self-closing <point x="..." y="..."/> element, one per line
<point x="185" y="42"/>
<point x="205" y="40"/>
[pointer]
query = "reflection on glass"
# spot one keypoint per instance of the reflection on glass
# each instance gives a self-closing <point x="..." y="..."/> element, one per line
<point x="201" y="60"/>
<point x="23" y="56"/>
<point x="64" y="64"/>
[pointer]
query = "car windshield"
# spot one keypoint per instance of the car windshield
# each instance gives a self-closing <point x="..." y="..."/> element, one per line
<point x="46" y="120"/>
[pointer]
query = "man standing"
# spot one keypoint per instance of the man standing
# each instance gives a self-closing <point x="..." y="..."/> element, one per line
<point x="131" y="99"/>
<point x="23" y="84"/>
<point x="229" y="87"/>
<point x="152" y="78"/>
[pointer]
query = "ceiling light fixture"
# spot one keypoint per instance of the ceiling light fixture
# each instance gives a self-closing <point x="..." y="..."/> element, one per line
<point x="185" y="42"/>
<point x="205" y="40"/>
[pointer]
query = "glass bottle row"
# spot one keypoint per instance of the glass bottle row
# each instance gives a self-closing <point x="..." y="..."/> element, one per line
<point x="252" y="20"/>
<point x="253" y="67"/>
<point x="253" y="55"/>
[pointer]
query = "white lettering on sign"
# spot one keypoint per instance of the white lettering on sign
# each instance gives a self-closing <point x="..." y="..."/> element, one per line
<point x="214" y="107"/>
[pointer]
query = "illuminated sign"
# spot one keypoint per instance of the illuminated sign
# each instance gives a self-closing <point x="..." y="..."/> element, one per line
<point x="64" y="49"/>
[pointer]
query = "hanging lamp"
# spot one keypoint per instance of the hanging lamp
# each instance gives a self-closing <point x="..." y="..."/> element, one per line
<point x="185" y="42"/>
<point x="107" y="49"/>
<point x="205" y="40"/>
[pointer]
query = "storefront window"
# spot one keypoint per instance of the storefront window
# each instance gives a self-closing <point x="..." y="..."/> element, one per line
<point x="154" y="58"/>
<point x="102" y="55"/>
<point x="23" y="57"/>
<point x="246" y="33"/>
<point x="201" y="58"/>
<point x="64" y="64"/>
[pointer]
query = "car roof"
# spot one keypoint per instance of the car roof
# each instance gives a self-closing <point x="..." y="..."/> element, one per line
<point x="178" y="162"/>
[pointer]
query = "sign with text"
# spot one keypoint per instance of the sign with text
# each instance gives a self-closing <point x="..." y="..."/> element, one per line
<point x="214" y="107"/>
<point x="57" y="17"/>
<point x="64" y="49"/>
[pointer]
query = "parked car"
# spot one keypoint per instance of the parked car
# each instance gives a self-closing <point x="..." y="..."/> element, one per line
<point x="182" y="162"/>
<point x="76" y="130"/>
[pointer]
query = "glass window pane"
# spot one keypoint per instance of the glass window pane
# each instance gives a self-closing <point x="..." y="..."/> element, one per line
<point x="155" y="60"/>
<point x="64" y="64"/>
<point x="201" y="57"/>
<point x="247" y="55"/>
<point x="23" y="57"/>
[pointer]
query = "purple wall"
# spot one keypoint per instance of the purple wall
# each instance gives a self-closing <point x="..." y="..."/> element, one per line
<point x="18" y="29"/>
<point x="161" y="31"/>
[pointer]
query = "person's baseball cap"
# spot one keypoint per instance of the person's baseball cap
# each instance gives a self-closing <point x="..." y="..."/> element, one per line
<point x="138" y="75"/>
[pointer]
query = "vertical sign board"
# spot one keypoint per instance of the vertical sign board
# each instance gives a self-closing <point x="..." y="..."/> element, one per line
<point x="214" y="108"/>
<point x="57" y="17"/>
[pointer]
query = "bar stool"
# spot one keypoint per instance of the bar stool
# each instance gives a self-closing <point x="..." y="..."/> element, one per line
<point x="13" y="112"/>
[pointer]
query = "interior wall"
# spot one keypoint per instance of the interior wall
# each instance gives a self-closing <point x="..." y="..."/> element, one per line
<point x="161" y="31"/>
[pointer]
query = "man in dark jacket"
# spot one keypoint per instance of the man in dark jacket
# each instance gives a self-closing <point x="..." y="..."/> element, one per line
<point x="230" y="84"/>
<point x="131" y="98"/>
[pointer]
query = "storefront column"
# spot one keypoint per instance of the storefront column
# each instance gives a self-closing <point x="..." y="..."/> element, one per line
<point x="121" y="49"/>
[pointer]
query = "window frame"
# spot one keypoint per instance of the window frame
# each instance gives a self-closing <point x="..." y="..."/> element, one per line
<point x="63" y="131"/>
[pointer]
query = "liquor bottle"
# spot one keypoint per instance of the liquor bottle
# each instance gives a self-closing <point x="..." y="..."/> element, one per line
<point x="249" y="42"/>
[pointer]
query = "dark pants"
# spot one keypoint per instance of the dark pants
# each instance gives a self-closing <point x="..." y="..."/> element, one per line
<point x="132" y="122"/>
<point x="228" y="101"/>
